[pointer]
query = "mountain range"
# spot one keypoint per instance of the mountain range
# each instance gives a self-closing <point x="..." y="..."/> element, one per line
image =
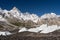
<point x="16" y="21"/>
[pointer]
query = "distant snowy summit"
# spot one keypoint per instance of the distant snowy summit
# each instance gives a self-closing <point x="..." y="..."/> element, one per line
<point x="14" y="20"/>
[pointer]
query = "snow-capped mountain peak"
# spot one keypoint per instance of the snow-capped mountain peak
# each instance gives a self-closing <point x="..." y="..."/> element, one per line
<point x="49" y="15"/>
<point x="15" y="12"/>
<point x="53" y="14"/>
<point x="14" y="8"/>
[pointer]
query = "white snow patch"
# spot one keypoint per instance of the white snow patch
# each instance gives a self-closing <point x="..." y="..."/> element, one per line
<point x="2" y="19"/>
<point x="22" y="29"/>
<point x="4" y="33"/>
<point x="33" y="30"/>
<point x="42" y="29"/>
<point x="49" y="29"/>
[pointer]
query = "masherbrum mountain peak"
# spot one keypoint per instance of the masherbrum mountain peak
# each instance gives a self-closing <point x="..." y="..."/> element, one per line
<point x="14" y="19"/>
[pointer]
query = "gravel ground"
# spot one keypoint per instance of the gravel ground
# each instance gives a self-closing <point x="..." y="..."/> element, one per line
<point x="31" y="36"/>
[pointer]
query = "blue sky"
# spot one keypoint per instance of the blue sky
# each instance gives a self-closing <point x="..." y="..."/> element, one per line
<point x="38" y="7"/>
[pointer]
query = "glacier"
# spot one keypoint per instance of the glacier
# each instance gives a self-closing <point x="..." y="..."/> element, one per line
<point x="42" y="29"/>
